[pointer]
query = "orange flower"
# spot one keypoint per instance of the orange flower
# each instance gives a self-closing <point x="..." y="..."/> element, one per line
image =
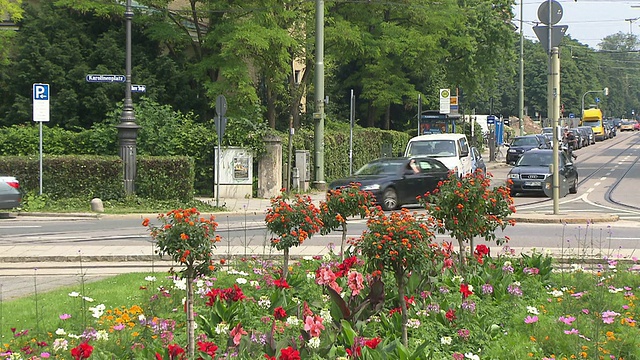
<point x="184" y="236"/>
<point x="145" y="222"/>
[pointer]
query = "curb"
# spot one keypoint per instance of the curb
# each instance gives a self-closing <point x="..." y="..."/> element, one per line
<point x="537" y="218"/>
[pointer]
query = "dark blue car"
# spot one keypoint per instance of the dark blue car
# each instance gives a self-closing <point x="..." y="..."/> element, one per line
<point x="522" y="144"/>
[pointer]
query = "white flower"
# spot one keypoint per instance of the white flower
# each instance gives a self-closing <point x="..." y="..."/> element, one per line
<point x="74" y="294"/>
<point x="555" y="293"/>
<point x="180" y="284"/>
<point x="264" y="302"/>
<point x="293" y="321"/>
<point x="533" y="310"/>
<point x="314" y="342"/>
<point x="506" y="263"/>
<point x="413" y="323"/>
<point x="308" y="258"/>
<point x="615" y="290"/>
<point x="142" y="318"/>
<point x="87" y="299"/>
<point x="150" y="278"/>
<point x="200" y="283"/>
<point x="446" y="340"/>
<point x="326" y="316"/>
<point x="296" y="300"/>
<point x="236" y="272"/>
<point x="184" y="300"/>
<point x="74" y="336"/>
<point x="60" y="344"/>
<point x="311" y="275"/>
<point x="471" y="356"/>
<point x="254" y="283"/>
<point x="325" y="298"/>
<point x="241" y="281"/>
<point x="470" y="287"/>
<point x="61" y="332"/>
<point x="97" y="311"/>
<point x="102" y="335"/>
<point x="326" y="257"/>
<point x="375" y="318"/>
<point x="457" y="279"/>
<point x="222" y="328"/>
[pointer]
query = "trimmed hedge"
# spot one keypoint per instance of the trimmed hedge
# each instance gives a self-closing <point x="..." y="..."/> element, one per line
<point x="87" y="177"/>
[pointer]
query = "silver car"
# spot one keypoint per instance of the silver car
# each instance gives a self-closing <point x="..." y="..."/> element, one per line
<point x="10" y="195"/>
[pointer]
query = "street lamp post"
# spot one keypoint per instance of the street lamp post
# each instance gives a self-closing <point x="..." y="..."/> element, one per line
<point x="605" y="91"/>
<point x="128" y="129"/>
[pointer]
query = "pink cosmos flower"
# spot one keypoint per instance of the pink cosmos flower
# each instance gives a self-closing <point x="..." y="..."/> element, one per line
<point x="572" y="332"/>
<point x="567" y="319"/>
<point x="355" y="282"/>
<point x="65" y="316"/>
<point x="118" y="327"/>
<point x="530" y="319"/>
<point x="313" y="324"/>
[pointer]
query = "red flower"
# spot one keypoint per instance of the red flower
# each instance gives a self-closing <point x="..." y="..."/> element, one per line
<point x="279" y="313"/>
<point x="237" y="333"/>
<point x="289" y="354"/>
<point x="175" y="352"/>
<point x="465" y="291"/>
<point x="281" y="284"/>
<point x="482" y="249"/>
<point x="357" y="352"/>
<point x="373" y="343"/>
<point x="82" y="351"/>
<point x="269" y="357"/>
<point x="451" y="315"/>
<point x="208" y="347"/>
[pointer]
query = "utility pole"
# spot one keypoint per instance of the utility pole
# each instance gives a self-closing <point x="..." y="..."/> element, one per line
<point x="631" y="24"/>
<point x="521" y="96"/>
<point x="555" y="110"/>
<point x="318" y="115"/>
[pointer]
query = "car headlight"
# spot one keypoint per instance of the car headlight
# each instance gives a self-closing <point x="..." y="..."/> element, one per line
<point x="370" y="187"/>
<point x="513" y="176"/>
<point x="512" y="150"/>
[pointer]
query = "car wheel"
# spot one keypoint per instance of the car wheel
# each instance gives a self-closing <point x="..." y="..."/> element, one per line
<point x="390" y="199"/>
<point x="574" y="188"/>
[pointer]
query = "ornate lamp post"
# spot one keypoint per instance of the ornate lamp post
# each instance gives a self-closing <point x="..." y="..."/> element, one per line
<point x="128" y="129"/>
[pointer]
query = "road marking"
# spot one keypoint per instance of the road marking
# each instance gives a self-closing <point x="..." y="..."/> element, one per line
<point x="20" y="227"/>
<point x="590" y="190"/>
<point x="597" y="184"/>
<point x="585" y="198"/>
<point x="609" y="173"/>
<point x="603" y="178"/>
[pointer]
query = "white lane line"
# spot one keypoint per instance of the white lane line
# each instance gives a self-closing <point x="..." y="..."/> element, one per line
<point x="603" y="178"/>
<point x="20" y="227"/>
<point x="585" y="198"/>
<point x="609" y="173"/>
<point x="597" y="184"/>
<point x="590" y="190"/>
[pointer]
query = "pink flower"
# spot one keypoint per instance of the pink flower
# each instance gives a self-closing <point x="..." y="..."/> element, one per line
<point x="355" y="282"/>
<point x="567" y="319"/>
<point x="65" y="316"/>
<point x="313" y="324"/>
<point x="118" y="327"/>
<point x="334" y="285"/>
<point x="571" y="332"/>
<point x="530" y="319"/>
<point x="324" y="276"/>
<point x="237" y="333"/>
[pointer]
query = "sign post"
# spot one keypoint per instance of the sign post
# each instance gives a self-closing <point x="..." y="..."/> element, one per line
<point x="41" y="113"/>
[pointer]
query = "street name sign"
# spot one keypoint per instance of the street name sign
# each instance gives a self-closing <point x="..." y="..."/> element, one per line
<point x="138" y="88"/>
<point x="40" y="102"/>
<point x="105" y="78"/>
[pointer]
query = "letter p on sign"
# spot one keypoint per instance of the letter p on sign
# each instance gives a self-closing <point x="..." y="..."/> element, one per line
<point x="40" y="102"/>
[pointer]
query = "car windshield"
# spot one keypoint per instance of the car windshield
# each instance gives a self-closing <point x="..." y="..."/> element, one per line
<point x="433" y="148"/>
<point x="592" y="122"/>
<point x="525" y="141"/>
<point x="535" y="159"/>
<point x="380" y="167"/>
<point x="547" y="130"/>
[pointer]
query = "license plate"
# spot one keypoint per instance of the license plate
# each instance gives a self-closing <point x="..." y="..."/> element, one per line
<point x="532" y="183"/>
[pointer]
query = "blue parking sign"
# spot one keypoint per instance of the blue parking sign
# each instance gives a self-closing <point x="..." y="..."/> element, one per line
<point x="40" y="92"/>
<point x="40" y="102"/>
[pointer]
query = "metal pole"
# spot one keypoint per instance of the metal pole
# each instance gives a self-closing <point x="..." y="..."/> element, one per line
<point x="289" y="186"/>
<point x="218" y="163"/>
<point x="419" y="112"/>
<point x="128" y="129"/>
<point x="351" y="121"/>
<point x="318" y="116"/>
<point x="555" y="77"/>
<point x="521" y="97"/>
<point x="40" y="158"/>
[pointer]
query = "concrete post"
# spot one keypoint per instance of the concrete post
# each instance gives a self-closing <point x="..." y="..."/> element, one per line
<point x="270" y="168"/>
<point x="555" y="111"/>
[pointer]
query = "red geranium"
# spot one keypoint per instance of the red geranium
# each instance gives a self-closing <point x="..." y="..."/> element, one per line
<point x="289" y="354"/>
<point x="373" y="343"/>
<point x="208" y="348"/>
<point x="450" y="315"/>
<point x="82" y="351"/>
<point x="355" y="353"/>
<point x="281" y="283"/>
<point x="175" y="352"/>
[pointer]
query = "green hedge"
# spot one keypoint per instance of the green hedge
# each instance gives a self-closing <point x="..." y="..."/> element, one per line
<point x="87" y="177"/>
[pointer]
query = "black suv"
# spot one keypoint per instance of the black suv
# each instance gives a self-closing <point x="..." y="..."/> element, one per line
<point x="520" y="144"/>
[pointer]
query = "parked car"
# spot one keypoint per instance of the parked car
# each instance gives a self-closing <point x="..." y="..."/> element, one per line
<point x="616" y="122"/>
<point x="636" y="126"/>
<point x="522" y="144"/>
<point x="477" y="162"/>
<point x="393" y="182"/>
<point x="592" y="137"/>
<point x="10" y="195"/>
<point x="611" y="129"/>
<point x="627" y="125"/>
<point x="532" y="169"/>
<point x="584" y="134"/>
<point x="580" y="140"/>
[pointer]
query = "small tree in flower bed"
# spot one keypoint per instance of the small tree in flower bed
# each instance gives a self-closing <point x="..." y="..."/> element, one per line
<point x="292" y="221"/>
<point x="188" y="239"/>
<point x="399" y="243"/>
<point x="470" y="207"/>
<point x="343" y="203"/>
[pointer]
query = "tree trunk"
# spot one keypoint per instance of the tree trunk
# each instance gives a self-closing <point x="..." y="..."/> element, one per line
<point x="190" y="320"/>
<point x="285" y="265"/>
<point x="403" y="306"/>
<point x="344" y="239"/>
<point x="462" y="251"/>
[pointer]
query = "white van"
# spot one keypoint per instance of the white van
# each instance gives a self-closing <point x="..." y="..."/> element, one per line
<point x="451" y="149"/>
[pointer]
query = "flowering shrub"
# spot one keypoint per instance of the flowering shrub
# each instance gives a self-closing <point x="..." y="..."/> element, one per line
<point x="292" y="222"/>
<point x="470" y="207"/>
<point x="189" y="240"/>
<point x="342" y="204"/>
<point x="399" y="243"/>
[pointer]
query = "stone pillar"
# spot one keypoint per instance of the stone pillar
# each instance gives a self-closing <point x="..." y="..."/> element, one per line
<point x="270" y="168"/>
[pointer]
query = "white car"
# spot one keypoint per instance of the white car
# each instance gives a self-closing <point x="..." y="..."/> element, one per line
<point x="451" y="149"/>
